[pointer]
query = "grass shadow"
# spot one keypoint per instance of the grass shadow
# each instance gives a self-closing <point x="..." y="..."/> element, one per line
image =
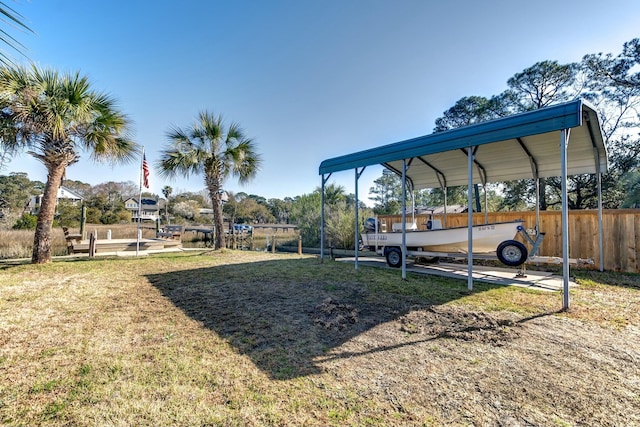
<point x="287" y="314"/>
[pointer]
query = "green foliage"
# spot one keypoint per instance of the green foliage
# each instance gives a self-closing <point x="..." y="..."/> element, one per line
<point x="305" y="211"/>
<point x="610" y="83"/>
<point x="472" y="109"/>
<point x="15" y="20"/>
<point x="26" y="222"/>
<point x="251" y="211"/>
<point x="387" y="194"/>
<point x="124" y="216"/>
<point x="15" y="191"/>
<point x="109" y="217"/>
<point x="68" y="213"/>
<point x="280" y="210"/>
<point x="543" y="84"/>
<point x="631" y="181"/>
<point x="93" y="215"/>
<point x="339" y="218"/>
<point x="340" y="227"/>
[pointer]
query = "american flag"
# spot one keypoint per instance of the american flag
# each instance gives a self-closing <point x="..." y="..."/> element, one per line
<point x="145" y="172"/>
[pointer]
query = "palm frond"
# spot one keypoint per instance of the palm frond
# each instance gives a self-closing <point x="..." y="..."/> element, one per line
<point x="12" y="18"/>
<point x="59" y="114"/>
<point x="208" y="148"/>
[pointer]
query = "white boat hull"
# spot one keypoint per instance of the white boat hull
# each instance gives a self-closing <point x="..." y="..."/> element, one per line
<point x="486" y="238"/>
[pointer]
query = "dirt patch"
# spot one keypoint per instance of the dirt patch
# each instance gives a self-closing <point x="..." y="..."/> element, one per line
<point x="452" y="322"/>
<point x="334" y="315"/>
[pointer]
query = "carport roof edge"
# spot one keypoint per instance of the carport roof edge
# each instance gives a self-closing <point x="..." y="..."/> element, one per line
<point x="546" y="120"/>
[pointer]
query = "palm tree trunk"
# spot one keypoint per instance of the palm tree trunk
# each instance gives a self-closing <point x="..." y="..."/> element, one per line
<point x="42" y="238"/>
<point x="218" y="219"/>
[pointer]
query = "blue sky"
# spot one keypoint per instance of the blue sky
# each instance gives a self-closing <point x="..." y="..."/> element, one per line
<point x="308" y="80"/>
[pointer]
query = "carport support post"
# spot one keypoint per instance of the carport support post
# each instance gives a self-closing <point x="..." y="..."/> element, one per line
<point x="358" y="174"/>
<point x="599" y="177"/>
<point x="324" y="180"/>
<point x="564" y="140"/>
<point x="470" y="219"/>
<point x="444" y="190"/>
<point x="404" y="219"/>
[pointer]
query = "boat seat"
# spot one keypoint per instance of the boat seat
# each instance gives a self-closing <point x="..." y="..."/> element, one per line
<point x="434" y="224"/>
<point x="397" y="226"/>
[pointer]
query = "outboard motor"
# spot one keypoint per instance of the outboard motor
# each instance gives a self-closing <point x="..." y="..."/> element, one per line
<point x="370" y="225"/>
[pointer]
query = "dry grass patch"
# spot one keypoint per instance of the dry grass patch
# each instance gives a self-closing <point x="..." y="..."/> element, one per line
<point x="242" y="338"/>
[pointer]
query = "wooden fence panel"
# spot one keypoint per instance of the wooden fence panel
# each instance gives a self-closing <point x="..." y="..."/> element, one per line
<point x="621" y="233"/>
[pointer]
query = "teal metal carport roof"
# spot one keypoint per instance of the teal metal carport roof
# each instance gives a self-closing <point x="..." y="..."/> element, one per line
<point x="559" y="140"/>
<point x="521" y="146"/>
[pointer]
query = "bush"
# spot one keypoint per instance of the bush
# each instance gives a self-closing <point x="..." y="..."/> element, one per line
<point x="26" y="222"/>
<point x="93" y="215"/>
<point x="124" y="216"/>
<point x="109" y="217"/>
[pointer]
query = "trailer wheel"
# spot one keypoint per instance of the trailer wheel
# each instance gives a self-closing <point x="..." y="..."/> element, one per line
<point x="394" y="257"/>
<point x="512" y="253"/>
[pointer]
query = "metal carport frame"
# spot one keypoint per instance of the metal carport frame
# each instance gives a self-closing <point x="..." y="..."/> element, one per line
<point x="529" y="145"/>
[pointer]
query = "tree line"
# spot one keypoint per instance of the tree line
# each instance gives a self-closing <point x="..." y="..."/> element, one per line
<point x="54" y="117"/>
<point x="611" y="83"/>
<point x="105" y="204"/>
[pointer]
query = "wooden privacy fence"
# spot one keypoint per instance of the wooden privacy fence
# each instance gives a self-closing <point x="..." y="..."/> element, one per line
<point x="620" y="227"/>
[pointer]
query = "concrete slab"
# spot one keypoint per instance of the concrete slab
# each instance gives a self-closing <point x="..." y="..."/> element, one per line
<point x="538" y="280"/>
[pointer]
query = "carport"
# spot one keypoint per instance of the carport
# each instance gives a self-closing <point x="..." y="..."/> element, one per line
<point x="559" y="140"/>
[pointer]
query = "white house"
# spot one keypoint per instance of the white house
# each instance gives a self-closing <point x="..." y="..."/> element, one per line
<point x="63" y="194"/>
<point x="150" y="210"/>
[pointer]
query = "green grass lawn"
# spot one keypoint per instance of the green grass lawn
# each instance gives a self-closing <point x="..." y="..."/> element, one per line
<point x="246" y="338"/>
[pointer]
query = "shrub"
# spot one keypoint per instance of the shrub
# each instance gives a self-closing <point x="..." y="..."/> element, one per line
<point x="109" y="217"/>
<point x="26" y="222"/>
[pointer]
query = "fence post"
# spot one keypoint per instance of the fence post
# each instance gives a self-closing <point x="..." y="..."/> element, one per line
<point x="299" y="244"/>
<point x="92" y="245"/>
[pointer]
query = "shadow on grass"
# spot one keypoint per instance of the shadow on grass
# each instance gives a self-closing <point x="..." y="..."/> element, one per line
<point x="286" y="314"/>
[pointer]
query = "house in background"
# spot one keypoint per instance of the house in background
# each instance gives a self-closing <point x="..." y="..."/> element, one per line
<point x="149" y="210"/>
<point x="33" y="207"/>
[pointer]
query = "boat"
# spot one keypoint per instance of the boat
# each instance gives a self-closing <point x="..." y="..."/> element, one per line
<point x="437" y="241"/>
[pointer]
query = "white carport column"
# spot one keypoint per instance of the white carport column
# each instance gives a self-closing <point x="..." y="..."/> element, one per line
<point x="470" y="219"/>
<point x="324" y="181"/>
<point x="600" y="238"/>
<point x="356" y="220"/>
<point x="322" y="221"/>
<point x="357" y="235"/>
<point x="404" y="219"/>
<point x="564" y="142"/>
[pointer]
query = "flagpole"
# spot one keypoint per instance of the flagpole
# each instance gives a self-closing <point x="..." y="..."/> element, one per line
<point x="140" y="202"/>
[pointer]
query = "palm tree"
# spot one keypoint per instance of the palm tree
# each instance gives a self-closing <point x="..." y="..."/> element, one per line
<point x="333" y="194"/>
<point x="166" y="191"/>
<point x="208" y="148"/>
<point x="56" y="117"/>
